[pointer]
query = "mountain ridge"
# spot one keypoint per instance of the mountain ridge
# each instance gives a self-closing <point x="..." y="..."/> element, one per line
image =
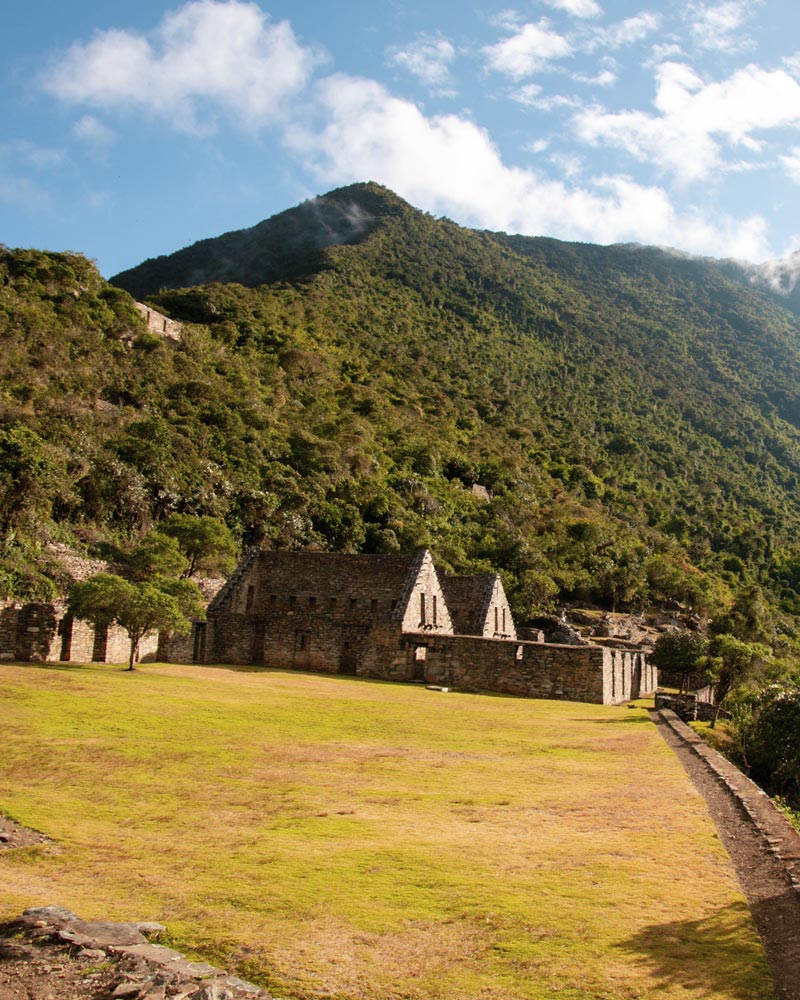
<point x="633" y="416"/>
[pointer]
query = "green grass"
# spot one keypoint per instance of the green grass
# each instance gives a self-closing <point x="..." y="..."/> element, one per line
<point x="334" y="837"/>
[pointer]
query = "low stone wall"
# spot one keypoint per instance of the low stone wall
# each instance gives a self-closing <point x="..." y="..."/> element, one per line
<point x="529" y="669"/>
<point x="688" y="707"/>
<point x="517" y="667"/>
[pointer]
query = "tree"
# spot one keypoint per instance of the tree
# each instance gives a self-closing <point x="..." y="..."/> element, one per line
<point x="156" y="555"/>
<point x="678" y="653"/>
<point x="206" y="542"/>
<point x="769" y="737"/>
<point x="729" y="663"/>
<point x="31" y="475"/>
<point x="139" y="607"/>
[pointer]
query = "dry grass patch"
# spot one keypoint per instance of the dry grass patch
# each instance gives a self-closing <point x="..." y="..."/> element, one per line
<point x="334" y="837"/>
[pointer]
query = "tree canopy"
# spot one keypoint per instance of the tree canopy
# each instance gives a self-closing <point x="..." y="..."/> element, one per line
<point x="138" y="607"/>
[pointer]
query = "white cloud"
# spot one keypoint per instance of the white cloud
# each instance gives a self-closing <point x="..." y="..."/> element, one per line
<point x="627" y="32"/>
<point x="663" y="53"/>
<point x="717" y="26"/>
<point x="567" y="164"/>
<point x="20" y="192"/>
<point x="449" y="164"/>
<point x="605" y="78"/>
<point x="426" y="58"/>
<point x="30" y="154"/>
<point x="577" y="8"/>
<point x="531" y="96"/>
<point x="530" y="50"/>
<point x="791" y="164"/>
<point x="205" y="58"/>
<point x="538" y="146"/>
<point x="93" y="132"/>
<point x="694" y="116"/>
<point x="792" y="63"/>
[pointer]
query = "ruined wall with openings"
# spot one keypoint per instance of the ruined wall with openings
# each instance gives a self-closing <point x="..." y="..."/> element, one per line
<point x="158" y="323"/>
<point x="530" y="669"/>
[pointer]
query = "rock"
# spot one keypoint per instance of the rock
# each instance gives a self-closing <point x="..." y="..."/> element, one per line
<point x="49" y="913"/>
<point x="201" y="969"/>
<point x="92" y="954"/>
<point x="93" y="935"/>
<point x="156" y="954"/>
<point x="130" y="990"/>
<point x="213" y="991"/>
<point x="157" y="993"/>
<point x="150" y="928"/>
<point x="14" y="951"/>
<point x="241" y="985"/>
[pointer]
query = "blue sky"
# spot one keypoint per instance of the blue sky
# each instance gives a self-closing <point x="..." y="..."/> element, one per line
<point x="133" y="129"/>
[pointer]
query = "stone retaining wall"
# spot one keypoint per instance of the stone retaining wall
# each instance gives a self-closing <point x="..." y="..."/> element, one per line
<point x="780" y="837"/>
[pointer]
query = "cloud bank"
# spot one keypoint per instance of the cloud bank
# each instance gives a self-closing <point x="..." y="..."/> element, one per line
<point x="205" y="59"/>
<point x="211" y="63"/>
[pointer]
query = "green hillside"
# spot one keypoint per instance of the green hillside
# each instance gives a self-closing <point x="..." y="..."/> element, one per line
<point x="634" y="415"/>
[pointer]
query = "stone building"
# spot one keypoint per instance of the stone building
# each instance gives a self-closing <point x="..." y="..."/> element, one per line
<point x="394" y="617"/>
<point x="478" y="606"/>
<point x="323" y="611"/>
<point x="388" y="617"/>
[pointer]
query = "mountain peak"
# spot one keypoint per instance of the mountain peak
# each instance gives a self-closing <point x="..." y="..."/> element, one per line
<point x="286" y="246"/>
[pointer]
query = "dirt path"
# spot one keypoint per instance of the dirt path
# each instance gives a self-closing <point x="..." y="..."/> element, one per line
<point x="765" y="851"/>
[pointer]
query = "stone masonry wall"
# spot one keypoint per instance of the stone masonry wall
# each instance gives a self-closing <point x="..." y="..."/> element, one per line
<point x="499" y="619"/>
<point x="426" y="608"/>
<point x="37" y="639"/>
<point x="159" y="323"/>
<point x="530" y="669"/>
<point x="231" y="639"/>
<point x="9" y="617"/>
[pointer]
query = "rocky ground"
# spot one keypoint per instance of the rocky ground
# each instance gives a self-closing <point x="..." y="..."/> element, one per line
<point x="49" y="953"/>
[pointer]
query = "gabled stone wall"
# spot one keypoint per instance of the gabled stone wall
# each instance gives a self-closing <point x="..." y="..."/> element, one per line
<point x="498" y="620"/>
<point x="424" y="601"/>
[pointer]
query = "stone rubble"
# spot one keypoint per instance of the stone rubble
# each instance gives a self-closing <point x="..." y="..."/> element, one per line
<point x="139" y="969"/>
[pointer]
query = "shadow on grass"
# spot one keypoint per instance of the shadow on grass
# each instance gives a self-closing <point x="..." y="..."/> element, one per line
<point x="260" y="668"/>
<point x="625" y="720"/>
<point x="67" y="667"/>
<point x="714" y="956"/>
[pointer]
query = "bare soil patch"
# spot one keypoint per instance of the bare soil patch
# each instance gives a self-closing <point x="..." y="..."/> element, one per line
<point x="14" y="835"/>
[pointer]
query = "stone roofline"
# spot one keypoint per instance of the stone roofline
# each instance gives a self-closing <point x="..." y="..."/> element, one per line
<point x="413" y="574"/>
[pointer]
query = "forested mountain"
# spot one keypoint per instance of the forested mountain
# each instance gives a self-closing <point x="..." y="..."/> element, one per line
<point x="352" y="368"/>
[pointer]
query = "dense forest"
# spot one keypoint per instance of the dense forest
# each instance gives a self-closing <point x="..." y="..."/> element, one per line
<point x="349" y="370"/>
